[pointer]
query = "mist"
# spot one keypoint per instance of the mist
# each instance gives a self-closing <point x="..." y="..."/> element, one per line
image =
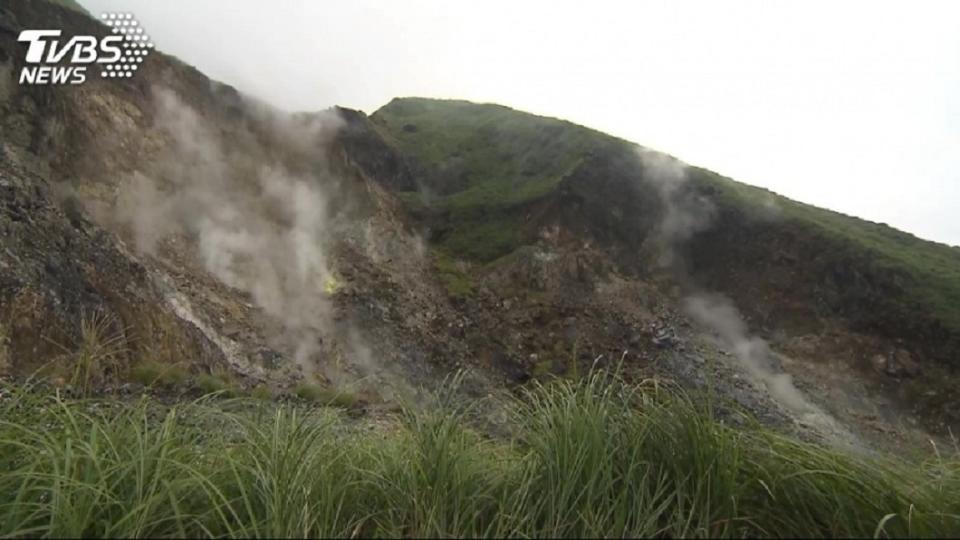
<point x="717" y="313"/>
<point x="799" y="98"/>
<point x="684" y="214"/>
<point x="256" y="226"/>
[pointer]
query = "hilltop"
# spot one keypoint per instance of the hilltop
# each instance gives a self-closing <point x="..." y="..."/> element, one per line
<point x="491" y="179"/>
<point x="379" y="253"/>
<point x="218" y="318"/>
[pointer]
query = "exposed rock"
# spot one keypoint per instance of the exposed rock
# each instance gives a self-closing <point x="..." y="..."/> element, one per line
<point x="665" y="337"/>
<point x="898" y="364"/>
<point x="57" y="274"/>
<point x="581" y="284"/>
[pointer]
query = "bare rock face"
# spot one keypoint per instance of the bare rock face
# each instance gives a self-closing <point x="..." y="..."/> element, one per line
<point x="898" y="364"/>
<point x="60" y="270"/>
<point x="879" y="363"/>
<point x="208" y="229"/>
<point x="66" y="276"/>
<point x="202" y="227"/>
<point x="66" y="261"/>
<point x="906" y="364"/>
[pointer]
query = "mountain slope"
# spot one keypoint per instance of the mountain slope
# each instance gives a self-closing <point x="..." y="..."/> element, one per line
<point x="494" y="179"/>
<point x="377" y="255"/>
<point x="257" y="235"/>
<point x="478" y="164"/>
<point x="445" y="319"/>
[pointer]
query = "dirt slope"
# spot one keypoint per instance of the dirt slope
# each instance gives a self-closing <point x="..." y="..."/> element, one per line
<point x="382" y="253"/>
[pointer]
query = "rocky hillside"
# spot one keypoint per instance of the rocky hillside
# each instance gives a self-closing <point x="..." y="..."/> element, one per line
<point x="211" y="230"/>
<point x="382" y="253"/>
<point x="819" y="285"/>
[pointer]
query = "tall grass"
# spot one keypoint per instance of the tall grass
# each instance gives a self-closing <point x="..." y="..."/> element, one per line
<point x="594" y="457"/>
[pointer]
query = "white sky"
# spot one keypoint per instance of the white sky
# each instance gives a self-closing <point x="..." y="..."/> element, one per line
<point x="854" y="106"/>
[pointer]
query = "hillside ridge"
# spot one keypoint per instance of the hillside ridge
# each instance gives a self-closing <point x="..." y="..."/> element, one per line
<point x="482" y="200"/>
<point x="375" y="255"/>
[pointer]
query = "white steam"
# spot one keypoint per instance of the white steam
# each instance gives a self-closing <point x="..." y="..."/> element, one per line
<point x="718" y="313"/>
<point x="686" y="213"/>
<point x="256" y="226"/>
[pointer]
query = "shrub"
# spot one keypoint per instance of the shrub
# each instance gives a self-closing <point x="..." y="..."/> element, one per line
<point x="326" y="396"/>
<point x="262" y="392"/>
<point x="594" y="458"/>
<point x="100" y="355"/>
<point x="159" y="374"/>
<point x="454" y="280"/>
<point x="217" y="382"/>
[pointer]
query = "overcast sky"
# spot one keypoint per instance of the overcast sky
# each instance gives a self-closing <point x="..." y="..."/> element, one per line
<point x="854" y="106"/>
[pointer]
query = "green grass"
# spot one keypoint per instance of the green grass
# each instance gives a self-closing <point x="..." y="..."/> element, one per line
<point x="159" y="374"/>
<point x="455" y="281"/>
<point x="323" y="395"/>
<point x="489" y="155"/>
<point x="482" y="167"/>
<point x="480" y="164"/>
<point x="931" y="269"/>
<point x="593" y="458"/>
<point x="261" y="392"/>
<point x="217" y="382"/>
<point x="100" y="354"/>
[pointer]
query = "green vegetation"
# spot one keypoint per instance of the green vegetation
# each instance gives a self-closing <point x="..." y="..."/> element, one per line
<point x="481" y="164"/>
<point x="217" y="382"/>
<point x="323" y="395"/>
<point x="261" y="392"/>
<point x="100" y="355"/>
<point x="159" y="374"/>
<point x="591" y="458"/>
<point x="485" y="155"/>
<point x="456" y="282"/>
<point x="542" y="368"/>
<point x="932" y="270"/>
<point x="485" y="239"/>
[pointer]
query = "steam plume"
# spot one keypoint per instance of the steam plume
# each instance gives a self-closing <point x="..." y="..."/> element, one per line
<point x="718" y="314"/>
<point x="257" y="226"/>
<point x="686" y="213"/>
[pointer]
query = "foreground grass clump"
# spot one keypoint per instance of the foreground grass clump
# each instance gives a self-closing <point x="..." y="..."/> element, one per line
<point x="159" y="374"/>
<point x="589" y="458"/>
<point x="323" y="395"/>
<point x="217" y="382"/>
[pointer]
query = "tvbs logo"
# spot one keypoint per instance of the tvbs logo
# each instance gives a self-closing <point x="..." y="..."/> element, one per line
<point x="53" y="59"/>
